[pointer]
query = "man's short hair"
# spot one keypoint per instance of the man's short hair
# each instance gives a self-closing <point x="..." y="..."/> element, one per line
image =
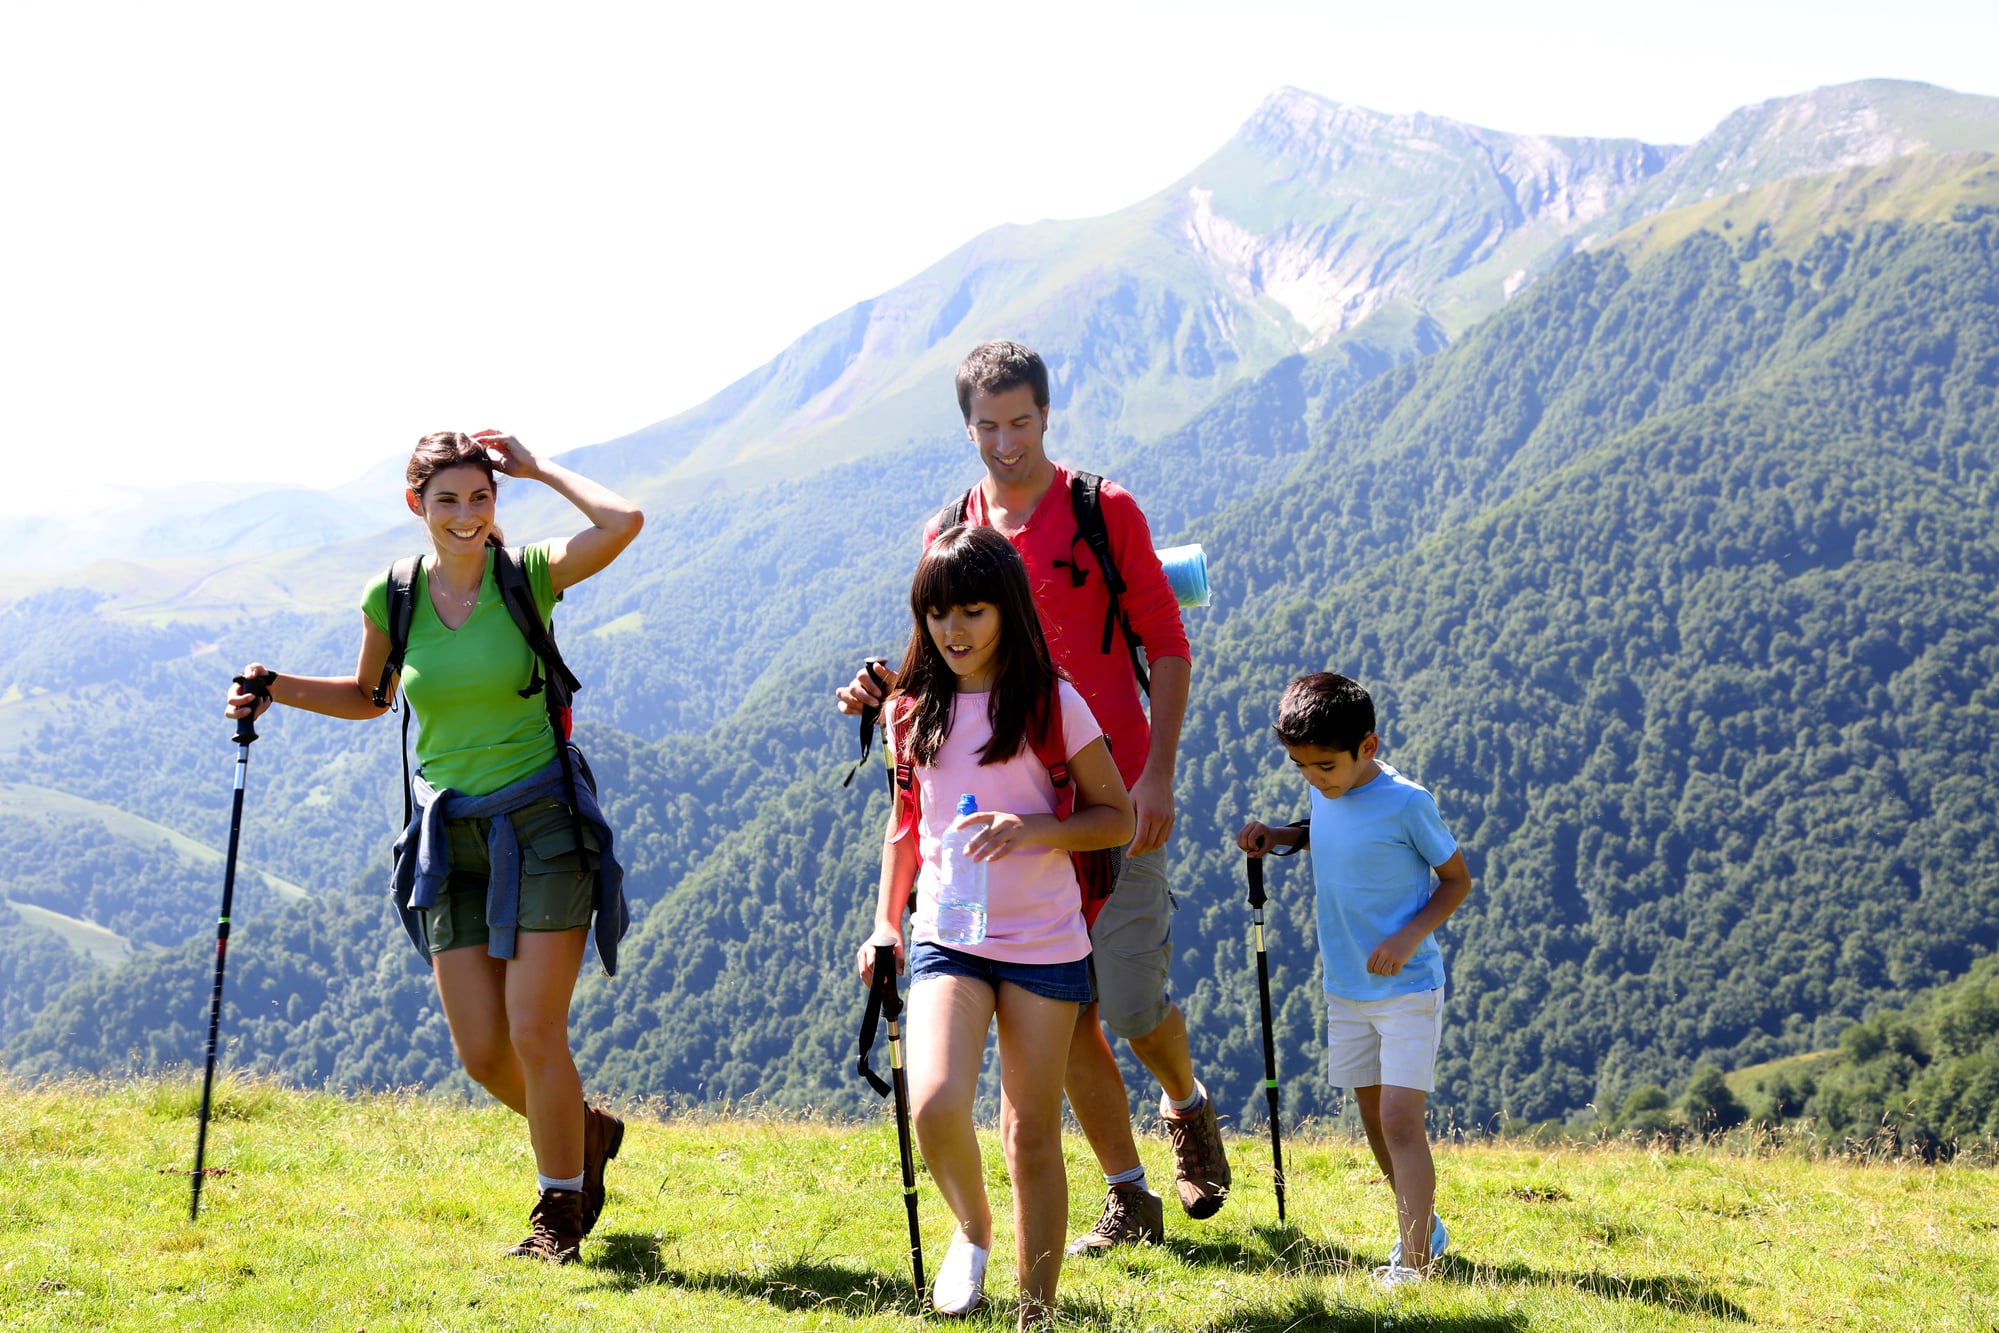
<point x="1325" y="709"/>
<point x="997" y="366"/>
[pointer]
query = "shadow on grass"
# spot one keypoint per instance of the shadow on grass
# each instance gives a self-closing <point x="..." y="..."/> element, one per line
<point x="1316" y="1314"/>
<point x="1285" y="1250"/>
<point x="1282" y="1249"/>
<point x="632" y="1260"/>
<point x="1682" y="1295"/>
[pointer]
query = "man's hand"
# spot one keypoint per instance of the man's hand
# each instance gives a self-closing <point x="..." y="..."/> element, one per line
<point x="862" y="693"/>
<point x="1391" y="954"/>
<point x="1152" y="811"/>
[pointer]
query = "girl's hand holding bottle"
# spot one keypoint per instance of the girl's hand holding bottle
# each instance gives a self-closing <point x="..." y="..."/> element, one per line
<point x="997" y="834"/>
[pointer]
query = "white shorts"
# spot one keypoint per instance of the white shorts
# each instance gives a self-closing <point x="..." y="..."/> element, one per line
<point x="1393" y="1041"/>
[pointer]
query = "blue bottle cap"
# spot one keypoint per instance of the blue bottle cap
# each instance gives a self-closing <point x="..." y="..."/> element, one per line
<point x="968" y="804"/>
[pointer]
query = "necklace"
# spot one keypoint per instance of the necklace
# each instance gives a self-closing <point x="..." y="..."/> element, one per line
<point x="453" y="598"/>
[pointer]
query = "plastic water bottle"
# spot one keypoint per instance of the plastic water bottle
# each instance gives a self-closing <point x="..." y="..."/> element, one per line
<point x="961" y="882"/>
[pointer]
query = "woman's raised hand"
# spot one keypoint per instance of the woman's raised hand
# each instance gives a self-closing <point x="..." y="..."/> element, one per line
<point x="509" y="454"/>
<point x="241" y="702"/>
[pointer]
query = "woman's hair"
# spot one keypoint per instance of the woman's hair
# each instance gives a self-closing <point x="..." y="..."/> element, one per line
<point x="966" y="565"/>
<point x="450" y="448"/>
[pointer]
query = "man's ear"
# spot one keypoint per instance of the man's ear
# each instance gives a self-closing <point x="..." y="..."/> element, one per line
<point x="414" y="501"/>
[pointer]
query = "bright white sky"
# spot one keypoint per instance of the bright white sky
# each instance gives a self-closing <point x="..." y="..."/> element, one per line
<point x="283" y="241"/>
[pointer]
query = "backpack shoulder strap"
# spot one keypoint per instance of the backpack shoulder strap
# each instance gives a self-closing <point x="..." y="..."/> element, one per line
<point x="1086" y="500"/>
<point x="1051" y="748"/>
<point x="953" y="514"/>
<point x="511" y="575"/>
<point x="400" y="610"/>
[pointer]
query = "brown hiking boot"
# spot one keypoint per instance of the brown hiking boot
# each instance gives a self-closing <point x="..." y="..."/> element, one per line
<point x="603" y="1134"/>
<point x="558" y="1228"/>
<point x="1131" y="1213"/>
<point x="1200" y="1167"/>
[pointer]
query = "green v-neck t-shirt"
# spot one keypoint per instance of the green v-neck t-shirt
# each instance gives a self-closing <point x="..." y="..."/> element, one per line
<point x="476" y="733"/>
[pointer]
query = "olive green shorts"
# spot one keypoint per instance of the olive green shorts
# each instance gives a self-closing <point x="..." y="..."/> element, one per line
<point x="556" y="894"/>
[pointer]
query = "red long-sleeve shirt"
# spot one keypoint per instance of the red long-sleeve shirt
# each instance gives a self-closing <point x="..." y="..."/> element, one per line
<point x="1072" y="617"/>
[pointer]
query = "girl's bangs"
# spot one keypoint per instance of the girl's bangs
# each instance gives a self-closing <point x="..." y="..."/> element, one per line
<point x="955" y="574"/>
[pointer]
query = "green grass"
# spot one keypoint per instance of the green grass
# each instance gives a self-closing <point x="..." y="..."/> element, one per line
<point x="388" y="1212"/>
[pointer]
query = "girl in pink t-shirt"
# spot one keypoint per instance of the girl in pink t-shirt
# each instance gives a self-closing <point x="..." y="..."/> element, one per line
<point x="976" y="689"/>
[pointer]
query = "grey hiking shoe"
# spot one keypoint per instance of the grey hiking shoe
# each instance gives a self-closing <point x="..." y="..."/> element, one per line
<point x="557" y="1234"/>
<point x="1131" y="1213"/>
<point x="1201" y="1174"/>
<point x="603" y="1135"/>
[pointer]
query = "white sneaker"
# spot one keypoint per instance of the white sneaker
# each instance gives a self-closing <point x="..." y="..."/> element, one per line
<point x="1391" y="1276"/>
<point x="1440" y="1240"/>
<point x="961" y="1280"/>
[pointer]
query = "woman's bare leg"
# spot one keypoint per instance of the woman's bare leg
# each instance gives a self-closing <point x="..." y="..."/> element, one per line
<point x="472" y="987"/>
<point x="539" y="982"/>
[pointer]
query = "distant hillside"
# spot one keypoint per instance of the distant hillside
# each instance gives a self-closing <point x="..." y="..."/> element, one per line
<point x="1316" y="223"/>
<point x="1673" y="577"/>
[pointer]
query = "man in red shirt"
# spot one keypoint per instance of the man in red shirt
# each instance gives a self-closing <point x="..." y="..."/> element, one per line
<point x="1003" y="392"/>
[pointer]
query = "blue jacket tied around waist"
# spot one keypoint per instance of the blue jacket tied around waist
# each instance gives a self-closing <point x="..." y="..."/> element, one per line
<point x="423" y="858"/>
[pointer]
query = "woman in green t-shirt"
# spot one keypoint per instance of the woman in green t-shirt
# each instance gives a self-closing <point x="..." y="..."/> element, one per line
<point x="490" y="792"/>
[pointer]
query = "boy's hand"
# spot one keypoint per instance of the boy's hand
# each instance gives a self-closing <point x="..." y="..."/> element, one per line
<point x="1392" y="954"/>
<point x="1254" y="838"/>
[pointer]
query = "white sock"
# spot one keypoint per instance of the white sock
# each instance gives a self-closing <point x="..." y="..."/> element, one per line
<point x="546" y="1183"/>
<point x="1135" y="1176"/>
<point x="1193" y="1102"/>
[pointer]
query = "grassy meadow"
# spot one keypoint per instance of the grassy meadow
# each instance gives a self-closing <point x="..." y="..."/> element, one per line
<point x="389" y="1212"/>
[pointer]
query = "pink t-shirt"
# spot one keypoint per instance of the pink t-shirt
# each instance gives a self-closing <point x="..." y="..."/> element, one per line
<point x="1034" y="910"/>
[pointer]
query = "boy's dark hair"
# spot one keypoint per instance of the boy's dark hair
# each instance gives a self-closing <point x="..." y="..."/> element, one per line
<point x="997" y="366"/>
<point x="966" y="565"/>
<point x="1325" y="709"/>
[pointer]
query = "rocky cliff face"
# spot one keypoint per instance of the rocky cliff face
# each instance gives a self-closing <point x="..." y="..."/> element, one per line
<point x="1378" y="209"/>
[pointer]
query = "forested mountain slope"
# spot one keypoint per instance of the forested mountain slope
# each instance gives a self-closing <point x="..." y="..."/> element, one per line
<point x="1675" y="580"/>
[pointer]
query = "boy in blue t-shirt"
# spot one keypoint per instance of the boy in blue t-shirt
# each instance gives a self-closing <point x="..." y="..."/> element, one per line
<point x="1376" y="839"/>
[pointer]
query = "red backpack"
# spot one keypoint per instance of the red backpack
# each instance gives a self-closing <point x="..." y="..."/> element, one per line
<point x="1096" y="871"/>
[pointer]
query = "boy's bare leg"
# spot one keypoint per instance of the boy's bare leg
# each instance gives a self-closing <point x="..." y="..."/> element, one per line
<point x="1397" y="1117"/>
<point x="1096" y="1094"/>
<point x="1370" y="1120"/>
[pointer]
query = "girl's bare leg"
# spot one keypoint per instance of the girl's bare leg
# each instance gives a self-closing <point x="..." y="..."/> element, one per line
<point x="947" y="1023"/>
<point x="539" y="982"/>
<point x="1034" y="1042"/>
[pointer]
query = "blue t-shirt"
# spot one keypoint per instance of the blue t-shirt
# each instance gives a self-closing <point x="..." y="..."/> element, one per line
<point x="1372" y="851"/>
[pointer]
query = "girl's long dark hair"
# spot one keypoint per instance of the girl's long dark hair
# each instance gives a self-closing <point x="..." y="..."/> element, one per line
<point x="966" y="565"/>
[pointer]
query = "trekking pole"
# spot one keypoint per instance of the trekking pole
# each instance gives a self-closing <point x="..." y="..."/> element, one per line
<point x="1270" y="1090"/>
<point x="246" y="731"/>
<point x="884" y="1001"/>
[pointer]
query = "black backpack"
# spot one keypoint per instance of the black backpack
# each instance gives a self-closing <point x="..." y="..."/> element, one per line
<point x="1086" y="501"/>
<point x="557" y="686"/>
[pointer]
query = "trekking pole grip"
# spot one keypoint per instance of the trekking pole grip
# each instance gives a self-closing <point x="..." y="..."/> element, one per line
<point x="1256" y="895"/>
<point x="260" y="687"/>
